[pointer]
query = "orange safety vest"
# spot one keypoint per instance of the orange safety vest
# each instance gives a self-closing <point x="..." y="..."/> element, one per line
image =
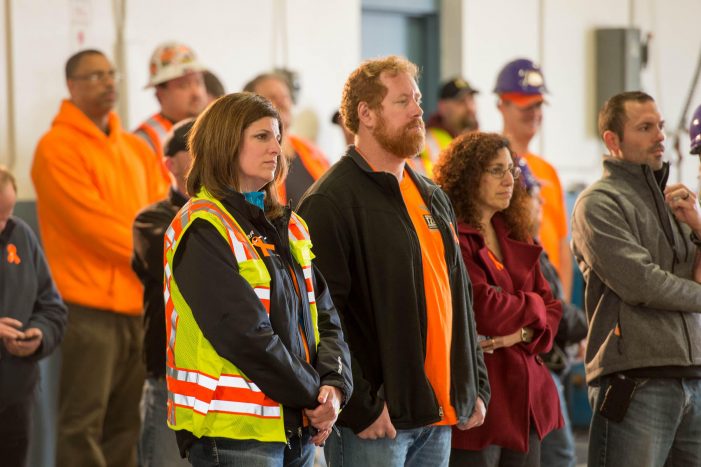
<point x="311" y="158"/>
<point x="154" y="131"/>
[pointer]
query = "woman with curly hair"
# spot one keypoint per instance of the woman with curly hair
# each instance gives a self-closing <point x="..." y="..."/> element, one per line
<point x="515" y="312"/>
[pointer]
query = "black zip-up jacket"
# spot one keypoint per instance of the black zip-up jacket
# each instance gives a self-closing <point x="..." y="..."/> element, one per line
<point x="27" y="294"/>
<point x="147" y="262"/>
<point x="369" y="253"/>
<point x="270" y="351"/>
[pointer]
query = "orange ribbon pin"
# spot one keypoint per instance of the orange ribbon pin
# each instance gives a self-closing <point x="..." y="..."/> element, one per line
<point x="266" y="248"/>
<point x="12" y="256"/>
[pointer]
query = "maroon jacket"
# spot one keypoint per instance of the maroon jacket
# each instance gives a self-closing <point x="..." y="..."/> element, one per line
<point x="504" y="301"/>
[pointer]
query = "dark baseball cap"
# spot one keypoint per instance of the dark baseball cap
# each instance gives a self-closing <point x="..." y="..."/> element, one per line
<point x="178" y="138"/>
<point x="456" y="87"/>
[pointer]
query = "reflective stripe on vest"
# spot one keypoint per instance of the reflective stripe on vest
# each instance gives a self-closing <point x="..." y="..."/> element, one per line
<point x="301" y="248"/>
<point x="208" y="395"/>
<point x="156" y="129"/>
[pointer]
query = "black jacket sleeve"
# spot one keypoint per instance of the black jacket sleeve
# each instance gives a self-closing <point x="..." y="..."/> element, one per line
<point x="234" y="321"/>
<point x="333" y="357"/>
<point x="332" y="249"/>
<point x="50" y="314"/>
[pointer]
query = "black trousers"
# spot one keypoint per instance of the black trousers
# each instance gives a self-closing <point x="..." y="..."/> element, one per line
<point x="15" y="425"/>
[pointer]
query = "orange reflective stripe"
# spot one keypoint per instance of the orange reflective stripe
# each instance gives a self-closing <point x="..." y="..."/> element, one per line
<point x="156" y="128"/>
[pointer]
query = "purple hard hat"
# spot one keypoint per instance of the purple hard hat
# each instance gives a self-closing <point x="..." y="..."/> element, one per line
<point x="520" y="76"/>
<point x="695" y="132"/>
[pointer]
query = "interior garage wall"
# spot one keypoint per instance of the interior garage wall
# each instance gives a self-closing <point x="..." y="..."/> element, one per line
<point x="237" y="39"/>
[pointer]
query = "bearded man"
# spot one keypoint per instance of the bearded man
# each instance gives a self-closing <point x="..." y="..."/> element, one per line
<point x="385" y="240"/>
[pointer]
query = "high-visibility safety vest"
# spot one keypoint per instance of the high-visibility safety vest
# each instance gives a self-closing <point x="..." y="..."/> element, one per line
<point x="207" y="394"/>
<point x="155" y="131"/>
<point x="436" y="141"/>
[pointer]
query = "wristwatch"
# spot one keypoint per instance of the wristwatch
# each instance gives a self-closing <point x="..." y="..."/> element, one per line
<point x="526" y="335"/>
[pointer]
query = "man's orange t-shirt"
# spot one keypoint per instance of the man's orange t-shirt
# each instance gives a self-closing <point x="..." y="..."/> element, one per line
<point x="439" y="307"/>
<point x="553" y="229"/>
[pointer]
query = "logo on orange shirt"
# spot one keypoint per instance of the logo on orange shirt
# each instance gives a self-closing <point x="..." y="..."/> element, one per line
<point x="430" y="222"/>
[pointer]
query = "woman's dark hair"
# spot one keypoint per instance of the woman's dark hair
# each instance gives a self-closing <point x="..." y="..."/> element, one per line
<point x="215" y="142"/>
<point x="460" y="170"/>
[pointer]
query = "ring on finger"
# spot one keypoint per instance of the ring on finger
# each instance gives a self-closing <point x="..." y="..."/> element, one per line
<point x="685" y="196"/>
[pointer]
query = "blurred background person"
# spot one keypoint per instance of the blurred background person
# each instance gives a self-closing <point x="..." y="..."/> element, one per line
<point x="157" y="446"/>
<point x="215" y="88"/>
<point x="521" y="89"/>
<point x="32" y="320"/>
<point x="558" y="447"/>
<point x="306" y="162"/>
<point x="695" y="137"/>
<point x="456" y="114"/>
<point x="348" y="135"/>
<point x="178" y="79"/>
<point x="243" y="298"/>
<point x="91" y="178"/>
<point x="515" y="311"/>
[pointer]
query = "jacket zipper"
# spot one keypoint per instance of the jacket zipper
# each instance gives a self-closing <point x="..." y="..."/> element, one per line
<point x="409" y="226"/>
<point x="675" y="257"/>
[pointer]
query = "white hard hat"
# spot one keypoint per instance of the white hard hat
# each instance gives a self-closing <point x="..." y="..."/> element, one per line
<point x="172" y="60"/>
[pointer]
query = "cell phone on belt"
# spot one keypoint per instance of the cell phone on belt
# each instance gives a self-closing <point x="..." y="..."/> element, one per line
<point x="617" y="398"/>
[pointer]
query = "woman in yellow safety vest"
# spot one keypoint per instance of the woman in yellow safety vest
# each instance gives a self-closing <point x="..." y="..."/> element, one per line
<point x="256" y="364"/>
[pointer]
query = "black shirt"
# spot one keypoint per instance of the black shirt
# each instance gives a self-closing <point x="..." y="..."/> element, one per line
<point x="298" y="180"/>
<point x="149" y="227"/>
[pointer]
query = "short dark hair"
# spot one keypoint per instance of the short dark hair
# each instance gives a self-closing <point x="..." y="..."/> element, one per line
<point x="177" y="140"/>
<point x="253" y="84"/>
<point x="74" y="61"/>
<point x="213" y="85"/>
<point x="612" y="116"/>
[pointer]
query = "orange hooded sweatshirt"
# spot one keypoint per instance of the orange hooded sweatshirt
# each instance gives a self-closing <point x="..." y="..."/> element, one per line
<point x="89" y="188"/>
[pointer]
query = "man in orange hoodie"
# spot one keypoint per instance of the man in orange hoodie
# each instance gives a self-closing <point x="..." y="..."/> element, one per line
<point x="91" y="178"/>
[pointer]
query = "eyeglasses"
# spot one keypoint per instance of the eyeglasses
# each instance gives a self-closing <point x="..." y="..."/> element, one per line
<point x="498" y="172"/>
<point x="99" y="76"/>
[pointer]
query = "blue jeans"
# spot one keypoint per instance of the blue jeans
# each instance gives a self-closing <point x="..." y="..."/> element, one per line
<point x="210" y="452"/>
<point x="419" y="447"/>
<point x="557" y="448"/>
<point x="661" y="427"/>
<point x="157" y="444"/>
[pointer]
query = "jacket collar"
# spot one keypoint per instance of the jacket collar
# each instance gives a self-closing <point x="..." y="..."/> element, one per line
<point x="520" y="258"/>
<point x="72" y="116"/>
<point x="7" y="231"/>
<point x="632" y="171"/>
<point x="388" y="180"/>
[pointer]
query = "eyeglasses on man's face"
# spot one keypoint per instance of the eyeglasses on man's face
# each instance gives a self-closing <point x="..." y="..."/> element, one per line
<point x="499" y="172"/>
<point x="99" y="76"/>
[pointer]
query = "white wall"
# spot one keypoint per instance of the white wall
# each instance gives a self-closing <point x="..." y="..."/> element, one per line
<point x="237" y="39"/>
<point x="560" y="36"/>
